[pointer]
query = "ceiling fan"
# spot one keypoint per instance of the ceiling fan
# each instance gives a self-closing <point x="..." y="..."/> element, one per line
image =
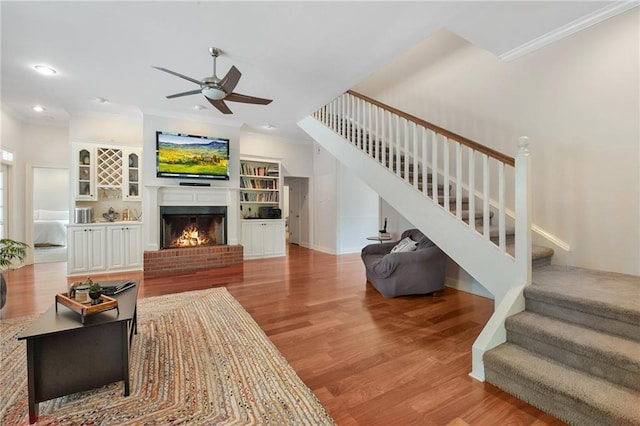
<point x="217" y="90"/>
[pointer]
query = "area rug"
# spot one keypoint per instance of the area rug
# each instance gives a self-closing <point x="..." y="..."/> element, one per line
<point x="198" y="359"/>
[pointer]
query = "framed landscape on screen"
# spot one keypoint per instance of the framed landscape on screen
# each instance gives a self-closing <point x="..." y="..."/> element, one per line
<point x="180" y="155"/>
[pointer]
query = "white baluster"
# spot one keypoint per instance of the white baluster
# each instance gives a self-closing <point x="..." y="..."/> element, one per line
<point x="407" y="156"/>
<point x="416" y="162"/>
<point x="486" y="217"/>
<point x="472" y="189"/>
<point x="397" y="142"/>
<point x="501" y="209"/>
<point x="458" y="181"/>
<point x="390" y="146"/>
<point x="447" y="184"/>
<point x="425" y="182"/>
<point x="383" y="144"/>
<point x="376" y="154"/>
<point x="434" y="167"/>
<point x="369" y="130"/>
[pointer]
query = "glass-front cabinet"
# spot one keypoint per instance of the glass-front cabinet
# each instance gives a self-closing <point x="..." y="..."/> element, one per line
<point x="86" y="182"/>
<point x="131" y="189"/>
<point x="107" y="172"/>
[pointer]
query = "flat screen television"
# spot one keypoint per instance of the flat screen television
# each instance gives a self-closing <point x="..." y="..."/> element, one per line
<point x="179" y="155"/>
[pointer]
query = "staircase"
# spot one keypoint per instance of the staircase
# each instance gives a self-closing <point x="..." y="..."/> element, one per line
<point x="468" y="198"/>
<point x="571" y="339"/>
<point x="574" y="352"/>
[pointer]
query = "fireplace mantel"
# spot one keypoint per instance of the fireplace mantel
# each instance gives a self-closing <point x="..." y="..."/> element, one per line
<point x="173" y="195"/>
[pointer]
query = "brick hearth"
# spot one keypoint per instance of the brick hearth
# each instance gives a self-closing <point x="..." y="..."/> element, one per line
<point x="179" y="260"/>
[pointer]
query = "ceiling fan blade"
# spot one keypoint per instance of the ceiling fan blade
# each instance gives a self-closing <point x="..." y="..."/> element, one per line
<point x="177" y="74"/>
<point x="237" y="97"/>
<point x="220" y="105"/>
<point x="230" y="80"/>
<point x="190" y="92"/>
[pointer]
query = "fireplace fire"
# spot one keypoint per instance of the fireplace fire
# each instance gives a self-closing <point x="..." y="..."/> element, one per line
<point x="190" y="237"/>
<point x="192" y="226"/>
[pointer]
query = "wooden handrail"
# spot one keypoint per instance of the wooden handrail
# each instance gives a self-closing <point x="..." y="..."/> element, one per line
<point x="461" y="139"/>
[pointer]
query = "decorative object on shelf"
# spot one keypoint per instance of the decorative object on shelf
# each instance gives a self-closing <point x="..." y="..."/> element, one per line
<point x="10" y="250"/>
<point x="111" y="215"/>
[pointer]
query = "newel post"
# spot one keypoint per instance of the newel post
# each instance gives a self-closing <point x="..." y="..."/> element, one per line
<point x="523" y="209"/>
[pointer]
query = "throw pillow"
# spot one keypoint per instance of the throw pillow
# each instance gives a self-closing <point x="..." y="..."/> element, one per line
<point x="406" y="244"/>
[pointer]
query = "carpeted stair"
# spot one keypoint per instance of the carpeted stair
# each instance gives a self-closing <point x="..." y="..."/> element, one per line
<point x="575" y="350"/>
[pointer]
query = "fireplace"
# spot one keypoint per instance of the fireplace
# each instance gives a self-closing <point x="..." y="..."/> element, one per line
<point x="192" y="226"/>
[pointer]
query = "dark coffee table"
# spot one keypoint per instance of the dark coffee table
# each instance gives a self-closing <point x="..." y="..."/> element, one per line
<point x="65" y="356"/>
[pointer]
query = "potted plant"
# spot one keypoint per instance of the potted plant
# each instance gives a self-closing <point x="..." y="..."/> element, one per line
<point x="95" y="291"/>
<point x="10" y="250"/>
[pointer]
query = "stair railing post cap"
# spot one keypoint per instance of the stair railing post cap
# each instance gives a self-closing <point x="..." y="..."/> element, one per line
<point x="523" y="142"/>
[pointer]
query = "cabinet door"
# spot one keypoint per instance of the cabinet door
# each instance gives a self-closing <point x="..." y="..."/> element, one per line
<point x="77" y="250"/>
<point x="84" y="173"/>
<point x="252" y="239"/>
<point x="273" y="239"/>
<point x="132" y="189"/>
<point x="86" y="249"/>
<point x="133" y="246"/>
<point x="96" y="248"/>
<point x="116" y="245"/>
<point x="125" y="246"/>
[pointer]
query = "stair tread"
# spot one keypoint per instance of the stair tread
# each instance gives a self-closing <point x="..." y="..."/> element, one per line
<point x="610" y="295"/>
<point x="549" y="377"/>
<point x="537" y="252"/>
<point x="580" y="340"/>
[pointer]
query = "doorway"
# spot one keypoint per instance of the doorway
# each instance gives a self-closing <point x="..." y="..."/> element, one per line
<point x="297" y="214"/>
<point x="50" y="214"/>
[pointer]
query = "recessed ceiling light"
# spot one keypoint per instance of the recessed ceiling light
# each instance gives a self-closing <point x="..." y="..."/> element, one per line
<point x="38" y="108"/>
<point x="45" y="70"/>
<point x="101" y="100"/>
<point x="199" y="107"/>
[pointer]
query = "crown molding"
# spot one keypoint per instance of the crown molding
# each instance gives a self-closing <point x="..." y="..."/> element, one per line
<point x="586" y="21"/>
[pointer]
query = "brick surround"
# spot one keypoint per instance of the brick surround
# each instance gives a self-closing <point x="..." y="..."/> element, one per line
<point x="179" y="260"/>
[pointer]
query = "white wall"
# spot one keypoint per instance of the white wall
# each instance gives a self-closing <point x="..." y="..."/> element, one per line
<point x="324" y="203"/>
<point x="357" y="212"/>
<point x="577" y="100"/>
<point x="32" y="145"/>
<point x="105" y="130"/>
<point x="295" y="155"/>
<point x="50" y="188"/>
<point x="11" y="140"/>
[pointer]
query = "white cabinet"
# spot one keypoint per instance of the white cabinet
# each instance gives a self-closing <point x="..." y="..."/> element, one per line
<point x="124" y="242"/>
<point x="263" y="238"/>
<point x="104" y="247"/>
<point x="131" y="189"/>
<point x="86" y="246"/>
<point x="84" y="172"/>
<point x="106" y="172"/>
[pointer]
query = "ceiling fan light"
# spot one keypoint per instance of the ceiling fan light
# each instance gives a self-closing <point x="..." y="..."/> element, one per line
<point x="214" y="93"/>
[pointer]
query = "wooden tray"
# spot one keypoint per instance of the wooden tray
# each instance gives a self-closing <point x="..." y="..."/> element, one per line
<point x="106" y="303"/>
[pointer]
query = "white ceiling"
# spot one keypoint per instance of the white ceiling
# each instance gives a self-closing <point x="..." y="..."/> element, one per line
<point x="300" y="54"/>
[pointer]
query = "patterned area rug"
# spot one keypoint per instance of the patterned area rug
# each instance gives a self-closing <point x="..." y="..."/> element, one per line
<point x="198" y="358"/>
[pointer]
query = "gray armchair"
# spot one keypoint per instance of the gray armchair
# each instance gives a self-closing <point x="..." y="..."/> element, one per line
<point x="405" y="273"/>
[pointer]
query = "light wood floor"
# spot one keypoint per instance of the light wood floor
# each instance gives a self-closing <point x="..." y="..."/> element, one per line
<point x="370" y="360"/>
